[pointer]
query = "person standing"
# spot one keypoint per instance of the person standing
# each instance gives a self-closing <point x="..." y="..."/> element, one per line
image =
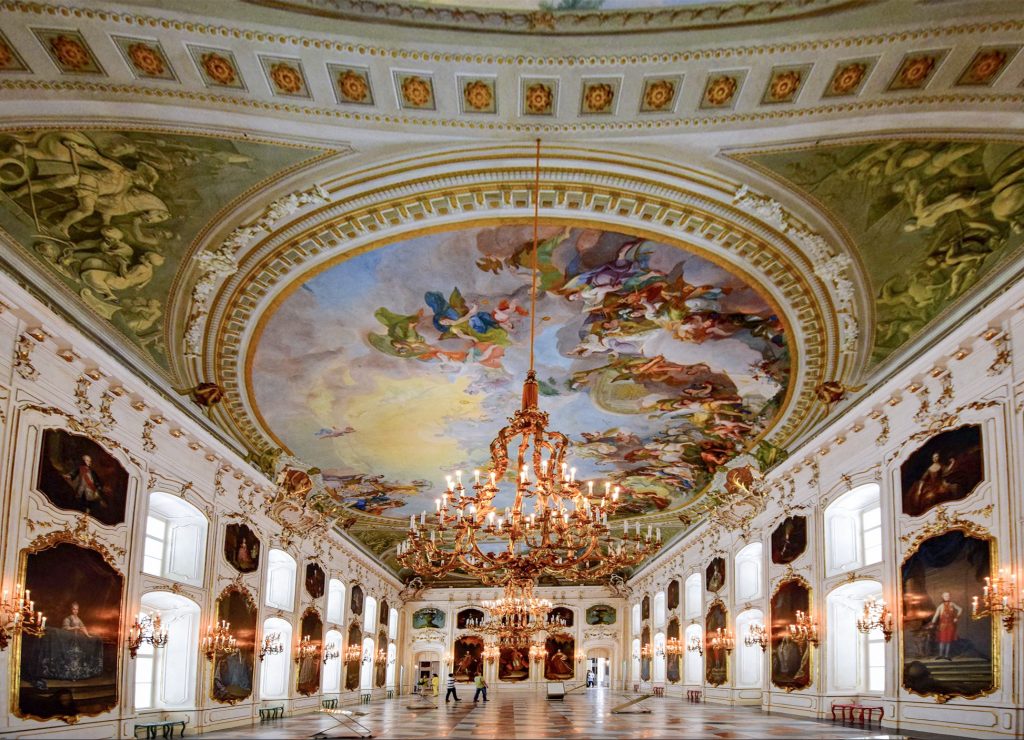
<point x="450" y="694"/>
<point x="435" y="683"/>
<point x="946" y="616"/>
<point x="481" y="687"/>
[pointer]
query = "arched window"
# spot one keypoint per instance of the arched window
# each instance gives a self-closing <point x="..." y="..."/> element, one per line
<point x="333" y="642"/>
<point x="366" y="672"/>
<point x="659" y="609"/>
<point x="276" y="669"/>
<point x="853" y="530"/>
<point x="336" y="601"/>
<point x="692" y="606"/>
<point x="659" y="654"/>
<point x="636" y="653"/>
<point x="371" y="612"/>
<point x="748" y="572"/>
<point x="281" y="580"/>
<point x="693" y="666"/>
<point x="856" y="662"/>
<point x="393" y="624"/>
<point x="749" y="659"/>
<point x="389" y="679"/>
<point x="165" y="678"/>
<point x="636" y="619"/>
<point x="175" y="545"/>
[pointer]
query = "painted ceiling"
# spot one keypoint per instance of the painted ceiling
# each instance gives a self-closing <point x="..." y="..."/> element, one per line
<point x="931" y="218"/>
<point x="111" y="214"/>
<point x="895" y="139"/>
<point x="397" y="366"/>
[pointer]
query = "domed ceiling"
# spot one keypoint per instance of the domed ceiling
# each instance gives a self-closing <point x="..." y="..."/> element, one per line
<point x="398" y="365"/>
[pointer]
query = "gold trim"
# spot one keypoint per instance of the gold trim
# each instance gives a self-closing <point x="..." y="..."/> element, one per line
<point x="938" y="528"/>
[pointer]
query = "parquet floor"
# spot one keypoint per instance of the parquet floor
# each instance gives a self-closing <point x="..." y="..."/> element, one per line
<point x="581" y="715"/>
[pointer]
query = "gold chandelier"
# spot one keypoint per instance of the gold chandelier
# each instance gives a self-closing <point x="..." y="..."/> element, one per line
<point x="566" y="534"/>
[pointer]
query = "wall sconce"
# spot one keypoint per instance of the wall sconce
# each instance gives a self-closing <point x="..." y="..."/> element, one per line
<point x="756" y="635"/>
<point x="332" y="652"/>
<point x="219" y="641"/>
<point x="999" y="599"/>
<point x="18" y="616"/>
<point x="146" y="630"/>
<point x="722" y="640"/>
<point x="876" y="616"/>
<point x="271" y="645"/>
<point x="804" y="630"/>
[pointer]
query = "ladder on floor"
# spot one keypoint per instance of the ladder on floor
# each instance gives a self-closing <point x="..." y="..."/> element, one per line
<point x="344" y="718"/>
<point x="625" y="708"/>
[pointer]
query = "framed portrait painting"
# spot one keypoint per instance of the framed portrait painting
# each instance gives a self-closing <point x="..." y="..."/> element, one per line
<point x="71" y="670"/>
<point x="316" y="579"/>
<point x="790" y="660"/>
<point x="714" y="575"/>
<point x="241" y="548"/>
<point x="232" y="673"/>
<point x="77" y="474"/>
<point x="948" y="467"/>
<point x="789" y="539"/>
<point x="308" y="680"/>
<point x="946" y="653"/>
<point x="716" y="660"/>
<point x="560" y="662"/>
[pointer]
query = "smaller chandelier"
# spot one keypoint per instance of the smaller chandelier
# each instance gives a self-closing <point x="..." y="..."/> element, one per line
<point x="332" y="652"/>
<point x="674" y="646"/>
<point x="219" y="641"/>
<point x="876" y="616"/>
<point x="999" y="599"/>
<point x="804" y="630"/>
<point x="538" y="652"/>
<point x="722" y="640"/>
<point x="271" y="645"/>
<point x="147" y="630"/>
<point x="695" y="645"/>
<point x="491" y="652"/>
<point x="757" y="635"/>
<point x="18" y="616"/>
<point x="353" y="653"/>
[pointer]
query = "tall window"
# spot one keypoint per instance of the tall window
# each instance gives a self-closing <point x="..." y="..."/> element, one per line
<point x="694" y="592"/>
<point x="693" y="665"/>
<point x="853" y="530"/>
<point x="280" y="580"/>
<point x="166" y="678"/>
<point x="748" y="572"/>
<point x="335" y="601"/>
<point x="276" y="669"/>
<point x="175" y="543"/>
<point x="371" y="612"/>
<point x="856" y="661"/>
<point x="749" y="659"/>
<point x="332" y="668"/>
<point x="659" y="609"/>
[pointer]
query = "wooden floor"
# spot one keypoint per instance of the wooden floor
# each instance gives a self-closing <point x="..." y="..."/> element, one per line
<point x="583" y="714"/>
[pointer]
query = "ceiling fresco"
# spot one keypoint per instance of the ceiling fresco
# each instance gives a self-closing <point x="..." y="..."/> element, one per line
<point x="111" y="214"/>
<point x="397" y="366"/>
<point x="931" y="218"/>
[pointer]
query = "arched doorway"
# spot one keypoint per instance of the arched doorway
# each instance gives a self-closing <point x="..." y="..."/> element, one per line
<point x="599" y="663"/>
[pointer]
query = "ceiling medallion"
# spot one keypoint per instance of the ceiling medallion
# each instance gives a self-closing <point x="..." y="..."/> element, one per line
<point x="566" y="535"/>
